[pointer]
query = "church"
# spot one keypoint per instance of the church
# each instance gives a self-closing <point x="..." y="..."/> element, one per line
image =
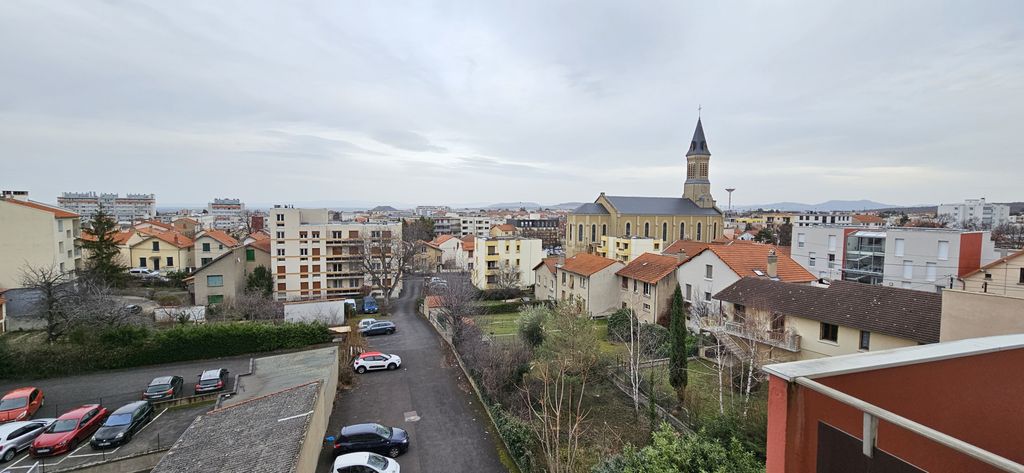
<point x="693" y="216"/>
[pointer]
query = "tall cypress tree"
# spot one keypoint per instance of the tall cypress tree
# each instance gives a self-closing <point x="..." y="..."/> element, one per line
<point x="677" y="335"/>
<point x="104" y="260"/>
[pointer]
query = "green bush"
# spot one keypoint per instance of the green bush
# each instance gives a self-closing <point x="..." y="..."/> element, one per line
<point x="670" y="452"/>
<point x="531" y="326"/>
<point x="501" y="294"/>
<point x="618" y="324"/>
<point x="129" y="347"/>
<point x="517" y="436"/>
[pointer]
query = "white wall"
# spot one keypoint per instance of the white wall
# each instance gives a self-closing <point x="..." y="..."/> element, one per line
<point x="693" y="272"/>
<point x="328" y="312"/>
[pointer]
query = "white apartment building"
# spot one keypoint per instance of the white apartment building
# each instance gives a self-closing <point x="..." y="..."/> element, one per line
<point x="227" y="213"/>
<point x="975" y="213"/>
<point x="127" y="209"/>
<point x="492" y="255"/>
<point x="315" y="258"/>
<point x="477" y="225"/>
<point x="449" y="224"/>
<point x="35" y="235"/>
<point x="429" y="210"/>
<point x="808" y="219"/>
<point x="924" y="259"/>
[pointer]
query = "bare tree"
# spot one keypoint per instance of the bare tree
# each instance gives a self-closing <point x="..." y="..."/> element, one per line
<point x="385" y="259"/>
<point x="457" y="301"/>
<point x="65" y="303"/>
<point x="507" y="276"/>
<point x="253" y="305"/>
<point x="1009" y="235"/>
<point x="640" y="346"/>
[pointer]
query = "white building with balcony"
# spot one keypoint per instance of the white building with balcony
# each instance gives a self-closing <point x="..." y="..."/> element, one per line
<point x="975" y="214"/>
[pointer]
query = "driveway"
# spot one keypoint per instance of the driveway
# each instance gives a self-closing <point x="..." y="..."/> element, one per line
<point x="428" y="396"/>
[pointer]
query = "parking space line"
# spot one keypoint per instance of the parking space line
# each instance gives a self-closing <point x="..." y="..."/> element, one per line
<point x="151" y="421"/>
<point x="94" y="454"/>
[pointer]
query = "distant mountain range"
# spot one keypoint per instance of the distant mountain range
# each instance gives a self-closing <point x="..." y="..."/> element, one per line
<point x="534" y="205"/>
<point x="833" y="205"/>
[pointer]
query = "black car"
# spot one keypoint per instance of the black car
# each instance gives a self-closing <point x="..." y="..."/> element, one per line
<point x="212" y="380"/>
<point x="376" y="438"/>
<point x="380" y="327"/>
<point x="165" y="387"/>
<point x="122" y="424"/>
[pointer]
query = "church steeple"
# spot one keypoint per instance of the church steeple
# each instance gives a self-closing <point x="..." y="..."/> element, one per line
<point x="697" y="187"/>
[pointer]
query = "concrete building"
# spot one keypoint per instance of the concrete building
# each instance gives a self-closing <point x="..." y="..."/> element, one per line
<point x="646" y="285"/>
<point x="692" y="216"/>
<point x="476" y="225"/>
<point x="210" y="244"/>
<point x="967" y="314"/>
<point x="626" y="249"/>
<point x="36" y="235"/>
<point x="924" y="259"/>
<point x="545" y="286"/>
<point x="935" y="408"/>
<point x="227" y="213"/>
<point x="223" y="278"/>
<point x="127" y="209"/>
<point x="591" y="280"/>
<point x="809" y="219"/>
<point x="317" y="258"/>
<point x="447" y="224"/>
<point x="495" y="257"/>
<point x="431" y="210"/>
<point x="974" y="214"/>
<point x="549" y="230"/>
<point x="1003" y="276"/>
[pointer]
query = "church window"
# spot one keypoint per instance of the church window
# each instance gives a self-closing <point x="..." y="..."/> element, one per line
<point x="593" y="233"/>
<point x="579" y="232"/>
<point x="682" y="231"/>
<point x="698" y="232"/>
<point x="664" y="231"/>
<point x="647" y="229"/>
<point x="627" y="228"/>
<point x="714" y="230"/>
<point x="604" y="229"/>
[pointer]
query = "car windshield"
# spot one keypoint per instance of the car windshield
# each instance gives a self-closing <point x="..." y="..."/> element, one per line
<point x="159" y="388"/>
<point x="382" y="431"/>
<point x="13" y="403"/>
<point x="377" y="461"/>
<point x="118" y="419"/>
<point x="62" y="425"/>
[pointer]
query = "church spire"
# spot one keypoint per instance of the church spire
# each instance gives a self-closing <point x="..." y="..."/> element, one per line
<point x="697" y="187"/>
<point x="699" y="145"/>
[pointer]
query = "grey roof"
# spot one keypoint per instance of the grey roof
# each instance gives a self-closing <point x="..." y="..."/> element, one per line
<point x="261" y="435"/>
<point x="591" y="208"/>
<point x="699" y="145"/>
<point x="658" y="206"/>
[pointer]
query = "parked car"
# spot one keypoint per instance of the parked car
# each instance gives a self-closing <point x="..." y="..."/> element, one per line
<point x="147" y="274"/>
<point x="69" y="430"/>
<point x="366" y="323"/>
<point x="16" y="437"/>
<point x="370" y="305"/>
<point x="375" y="360"/>
<point x="376" y="438"/>
<point x="122" y="425"/>
<point x="380" y="327"/>
<point x="164" y="387"/>
<point x="212" y="380"/>
<point x="20" y="404"/>
<point x="364" y="462"/>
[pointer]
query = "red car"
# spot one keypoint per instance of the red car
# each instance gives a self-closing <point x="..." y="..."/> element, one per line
<point x="72" y="428"/>
<point x="20" y="404"/>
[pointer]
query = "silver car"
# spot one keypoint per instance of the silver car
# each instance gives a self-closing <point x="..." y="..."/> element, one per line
<point x="18" y="436"/>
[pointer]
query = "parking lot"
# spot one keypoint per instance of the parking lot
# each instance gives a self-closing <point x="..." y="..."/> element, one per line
<point x="113" y="389"/>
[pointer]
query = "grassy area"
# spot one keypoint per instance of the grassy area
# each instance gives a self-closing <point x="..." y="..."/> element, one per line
<point x="498" y="325"/>
<point x="611" y="423"/>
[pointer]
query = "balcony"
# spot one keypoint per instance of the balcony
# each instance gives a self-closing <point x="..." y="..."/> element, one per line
<point x="785" y="339"/>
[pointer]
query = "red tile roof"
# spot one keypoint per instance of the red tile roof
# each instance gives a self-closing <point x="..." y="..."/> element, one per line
<point x="263" y="244"/>
<point x="549" y="263"/>
<point x="157" y="223"/>
<point x="586" y="264"/>
<point x="171" y="236"/>
<point x="187" y="219"/>
<point x="745" y="257"/>
<point x="222" y="237"/>
<point x="868" y="219"/>
<point x="689" y="247"/>
<point x="468" y="242"/>
<point x="506" y="227"/>
<point x="260" y="235"/>
<point x="433" y="302"/>
<point x="440" y="239"/>
<point x="57" y="212"/>
<point x="650" y="267"/>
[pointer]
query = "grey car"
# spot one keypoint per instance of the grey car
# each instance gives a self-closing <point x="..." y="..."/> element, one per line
<point x="18" y="436"/>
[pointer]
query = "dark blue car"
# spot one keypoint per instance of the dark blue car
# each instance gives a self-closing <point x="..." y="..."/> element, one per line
<point x="380" y="327"/>
<point x="370" y="305"/>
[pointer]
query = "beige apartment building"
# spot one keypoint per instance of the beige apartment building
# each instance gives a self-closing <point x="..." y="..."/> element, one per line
<point x="210" y="244"/>
<point x="591" y="280"/>
<point x="163" y="251"/>
<point x="626" y="249"/>
<point x="492" y="256"/>
<point x="646" y="285"/>
<point x="315" y="258"/>
<point x="35" y="235"/>
<point x="222" y="279"/>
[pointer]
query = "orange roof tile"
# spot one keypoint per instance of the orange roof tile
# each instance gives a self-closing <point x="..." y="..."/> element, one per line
<point x="156" y="223"/>
<point x="468" y="242"/>
<point x="440" y="239"/>
<point x="120" y="236"/>
<point x="261" y="244"/>
<point x="433" y="302"/>
<point x="506" y="227"/>
<point x="868" y="219"/>
<point x="187" y="219"/>
<point x="746" y="257"/>
<point x="650" y="267"/>
<point x="171" y="236"/>
<point x="549" y="263"/>
<point x="586" y="264"/>
<point x="56" y="211"/>
<point x="221" y="236"/>
<point x="260" y="235"/>
<point x="690" y="247"/>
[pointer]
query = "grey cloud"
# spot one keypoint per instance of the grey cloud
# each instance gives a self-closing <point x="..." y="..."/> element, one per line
<point x="406" y="140"/>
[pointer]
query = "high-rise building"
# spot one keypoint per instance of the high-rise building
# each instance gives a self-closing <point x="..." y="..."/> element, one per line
<point x="35" y="235"/>
<point x="975" y="214"/>
<point x="227" y="213"/>
<point x="127" y="209"/>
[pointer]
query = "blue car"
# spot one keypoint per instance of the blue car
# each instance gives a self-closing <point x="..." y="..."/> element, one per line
<point x="370" y="306"/>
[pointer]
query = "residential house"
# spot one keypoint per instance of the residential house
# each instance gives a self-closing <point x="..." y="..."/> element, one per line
<point x="545" y="287"/>
<point x="503" y="230"/>
<point x="210" y="244"/>
<point x="986" y="302"/>
<point x="1003" y="276"/>
<point x="467" y="255"/>
<point x="863" y="220"/>
<point x="938" y="408"/>
<point x="590" y="279"/>
<point x="495" y="257"/>
<point x="429" y="257"/>
<point x="165" y="251"/>
<point x="36" y="235"/>
<point x="799" y="321"/>
<point x="225" y="277"/>
<point x="646" y="285"/>
<point x="452" y="254"/>
<point x="187" y="226"/>
<point x="704" y="274"/>
<point x="694" y="215"/>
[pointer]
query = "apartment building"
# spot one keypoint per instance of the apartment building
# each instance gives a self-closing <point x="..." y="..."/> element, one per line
<point x="974" y="213"/>
<point x="809" y="219"/>
<point x="498" y="256"/>
<point x="211" y="244"/>
<point x="447" y="224"/>
<point x="476" y="225"/>
<point x="591" y="280"/>
<point x="227" y="213"/>
<point x="35" y="235"/>
<point x="924" y="259"/>
<point x="127" y="209"/>
<point x="315" y="258"/>
<point x="225" y="277"/>
<point x="646" y="285"/>
<point x="431" y="210"/>
<point x="549" y="230"/>
<point x="627" y="249"/>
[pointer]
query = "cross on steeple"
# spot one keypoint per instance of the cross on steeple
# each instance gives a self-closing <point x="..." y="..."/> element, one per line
<point x="699" y="108"/>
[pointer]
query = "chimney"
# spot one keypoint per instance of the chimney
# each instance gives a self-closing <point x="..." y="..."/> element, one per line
<point x="681" y="256"/>
<point x="773" y="264"/>
<point x="561" y="260"/>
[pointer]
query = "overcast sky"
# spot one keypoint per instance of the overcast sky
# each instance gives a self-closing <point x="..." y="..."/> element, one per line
<point x="467" y="101"/>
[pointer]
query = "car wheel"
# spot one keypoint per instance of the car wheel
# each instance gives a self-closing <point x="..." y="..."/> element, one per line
<point x="394" y="452"/>
<point x="9" y="455"/>
<point x="391" y="331"/>
<point x="392" y="366"/>
<point x="361" y="369"/>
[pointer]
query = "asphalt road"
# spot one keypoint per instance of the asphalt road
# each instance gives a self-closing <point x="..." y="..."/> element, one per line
<point x="448" y="428"/>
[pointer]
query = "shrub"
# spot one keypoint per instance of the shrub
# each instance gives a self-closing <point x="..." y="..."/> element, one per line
<point x="531" y="326"/>
<point x="517" y="436"/>
<point x="618" y="324"/>
<point x="501" y="294"/>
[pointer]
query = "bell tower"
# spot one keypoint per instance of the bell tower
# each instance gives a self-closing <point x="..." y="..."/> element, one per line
<point x="697" y="187"/>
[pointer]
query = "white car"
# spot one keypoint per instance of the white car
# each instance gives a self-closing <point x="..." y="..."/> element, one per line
<point x="18" y="436"/>
<point x="365" y="462"/>
<point x="366" y="323"/>
<point x="141" y="272"/>
<point x="375" y="360"/>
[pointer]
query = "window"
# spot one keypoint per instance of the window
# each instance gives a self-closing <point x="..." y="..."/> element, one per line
<point x="634" y="285"/>
<point x="280" y="270"/>
<point x="205" y="261"/>
<point x="604" y="229"/>
<point x="689" y="291"/>
<point x="647" y="307"/>
<point x="303" y="234"/>
<point x="801" y="239"/>
<point x="627" y="228"/>
<point x="831" y="243"/>
<point x="943" y="251"/>
<point x="579" y="232"/>
<point x="206" y="247"/>
<point x="707" y="296"/>
<point x="714" y="230"/>
<point x="647" y="229"/>
<point x="280" y="252"/>
<point x="698" y="231"/>
<point x="593" y="232"/>
<point x="708" y="271"/>
<point x="829" y="333"/>
<point x="908" y="269"/>
<point x="316" y="234"/>
<point x="303" y="251"/>
<point x="170" y="261"/>
<point x="280" y="234"/>
<point x="647" y="289"/>
<point x="831" y="261"/>
<point x="156" y="246"/>
<point x="625" y="283"/>
<point x="215" y="299"/>
<point x="214" y="280"/>
<point x="280" y="217"/>
<point x="865" y="340"/>
<point x="930" y="271"/>
<point x="682" y="231"/>
<point x="900" y="247"/>
<point x="563" y="278"/>
<point x="1021" y="279"/>
<point x="583" y="282"/>
<point x="570" y="232"/>
<point x="250" y="254"/>
<point x="142" y="262"/>
<point x="812" y="257"/>
<point x="664" y="231"/>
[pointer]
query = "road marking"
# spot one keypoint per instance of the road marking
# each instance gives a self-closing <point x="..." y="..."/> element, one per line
<point x="295" y="416"/>
<point x="411" y="416"/>
<point x="95" y="454"/>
